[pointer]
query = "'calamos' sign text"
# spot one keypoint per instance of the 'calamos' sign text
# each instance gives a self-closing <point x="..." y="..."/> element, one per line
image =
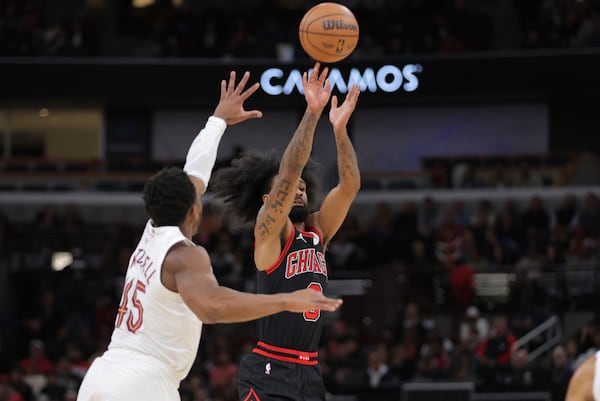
<point x="388" y="78"/>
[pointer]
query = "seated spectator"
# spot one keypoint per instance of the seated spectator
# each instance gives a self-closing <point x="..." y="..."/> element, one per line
<point x="36" y="362"/>
<point x="522" y="376"/>
<point x="434" y="357"/>
<point x="494" y="353"/>
<point x="378" y="371"/>
<point x="560" y="373"/>
<point x="473" y="323"/>
<point x="7" y="392"/>
<point x="17" y="383"/>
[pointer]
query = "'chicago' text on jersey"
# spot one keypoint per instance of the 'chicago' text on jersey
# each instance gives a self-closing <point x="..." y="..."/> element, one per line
<point x="304" y="261"/>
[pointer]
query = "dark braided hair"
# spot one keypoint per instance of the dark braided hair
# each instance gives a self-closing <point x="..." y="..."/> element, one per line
<point x="242" y="185"/>
<point x="168" y="196"/>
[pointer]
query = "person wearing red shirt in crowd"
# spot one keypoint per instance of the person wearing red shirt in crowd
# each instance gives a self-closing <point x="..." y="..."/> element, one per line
<point x="36" y="362"/>
<point x="494" y="353"/>
<point x="7" y="393"/>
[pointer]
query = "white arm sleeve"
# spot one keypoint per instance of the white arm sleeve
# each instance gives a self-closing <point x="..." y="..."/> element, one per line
<point x="202" y="154"/>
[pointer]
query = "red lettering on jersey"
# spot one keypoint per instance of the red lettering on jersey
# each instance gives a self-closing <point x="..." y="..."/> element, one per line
<point x="322" y="263"/>
<point x="292" y="262"/>
<point x="142" y="260"/>
<point x="315" y="263"/>
<point x="139" y="255"/>
<point x="304" y="261"/>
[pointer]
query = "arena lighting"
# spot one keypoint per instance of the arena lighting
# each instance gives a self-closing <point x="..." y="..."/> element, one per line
<point x="73" y="260"/>
<point x="61" y="260"/>
<point x="388" y="78"/>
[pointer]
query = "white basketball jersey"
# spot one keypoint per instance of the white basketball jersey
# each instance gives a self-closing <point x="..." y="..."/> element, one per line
<point x="152" y="319"/>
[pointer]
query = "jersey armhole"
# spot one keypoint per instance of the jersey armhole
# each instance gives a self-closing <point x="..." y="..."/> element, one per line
<point x="284" y="251"/>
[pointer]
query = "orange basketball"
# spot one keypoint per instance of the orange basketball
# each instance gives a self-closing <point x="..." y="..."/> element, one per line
<point x="328" y="32"/>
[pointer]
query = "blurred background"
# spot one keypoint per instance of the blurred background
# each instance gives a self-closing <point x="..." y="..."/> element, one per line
<point x="468" y="263"/>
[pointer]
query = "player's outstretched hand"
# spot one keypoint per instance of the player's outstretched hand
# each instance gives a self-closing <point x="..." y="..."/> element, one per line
<point x="231" y="104"/>
<point x="307" y="299"/>
<point x="339" y="116"/>
<point x="317" y="88"/>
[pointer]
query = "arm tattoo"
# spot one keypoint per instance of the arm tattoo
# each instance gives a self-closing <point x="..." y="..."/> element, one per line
<point x="347" y="162"/>
<point x="298" y="151"/>
<point x="275" y="206"/>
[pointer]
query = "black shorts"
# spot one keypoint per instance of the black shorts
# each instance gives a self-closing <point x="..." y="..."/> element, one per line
<point x="266" y="379"/>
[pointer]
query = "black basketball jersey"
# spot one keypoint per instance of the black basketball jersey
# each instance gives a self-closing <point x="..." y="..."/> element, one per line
<point x="300" y="265"/>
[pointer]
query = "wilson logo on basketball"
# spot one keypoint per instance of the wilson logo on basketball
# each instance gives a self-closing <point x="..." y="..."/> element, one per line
<point x="331" y="24"/>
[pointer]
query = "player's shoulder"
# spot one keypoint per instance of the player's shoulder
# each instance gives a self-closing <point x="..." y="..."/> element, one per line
<point x="182" y="255"/>
<point x="580" y="387"/>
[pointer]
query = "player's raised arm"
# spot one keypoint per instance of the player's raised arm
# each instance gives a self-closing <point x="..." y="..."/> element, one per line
<point x="230" y="110"/>
<point x="337" y="202"/>
<point x="272" y="222"/>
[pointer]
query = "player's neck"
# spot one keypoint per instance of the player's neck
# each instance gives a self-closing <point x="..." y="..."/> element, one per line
<point x="187" y="231"/>
<point x="300" y="226"/>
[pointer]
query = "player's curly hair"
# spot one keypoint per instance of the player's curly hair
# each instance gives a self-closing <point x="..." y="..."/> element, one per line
<point x="168" y="196"/>
<point x="242" y="185"/>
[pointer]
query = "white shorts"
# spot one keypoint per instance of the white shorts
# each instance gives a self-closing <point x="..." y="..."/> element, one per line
<point x="127" y="376"/>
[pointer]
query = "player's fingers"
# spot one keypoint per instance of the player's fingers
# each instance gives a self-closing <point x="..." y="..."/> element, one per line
<point x="254" y="114"/>
<point x="231" y="85"/>
<point x="323" y="75"/>
<point x="250" y="91"/>
<point x="243" y="82"/>
<point x="330" y="304"/>
<point x="315" y="72"/>
<point x="334" y="102"/>
<point x="223" y="88"/>
<point x="356" y="91"/>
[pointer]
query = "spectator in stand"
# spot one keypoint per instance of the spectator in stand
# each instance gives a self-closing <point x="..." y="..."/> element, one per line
<point x="223" y="371"/>
<point x="379" y="235"/>
<point x="566" y="213"/>
<point x="378" y="371"/>
<point x="463" y="360"/>
<point x="18" y="384"/>
<point x="494" y="353"/>
<point x="536" y="225"/>
<point x="508" y="233"/>
<point x="434" y="358"/>
<point x="473" y="323"/>
<point x="7" y="393"/>
<point x="560" y="373"/>
<point x="36" y="362"/>
<point x="523" y="376"/>
<point x="401" y="368"/>
<point x="589" y="221"/>
<point x="428" y="218"/>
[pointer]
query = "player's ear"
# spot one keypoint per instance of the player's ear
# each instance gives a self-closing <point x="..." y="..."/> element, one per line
<point x="195" y="211"/>
<point x="265" y="198"/>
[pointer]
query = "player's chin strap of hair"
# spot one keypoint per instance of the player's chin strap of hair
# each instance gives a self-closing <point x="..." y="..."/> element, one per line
<point x="202" y="154"/>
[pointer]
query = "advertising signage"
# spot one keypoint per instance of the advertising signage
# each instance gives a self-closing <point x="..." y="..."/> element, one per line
<point x="537" y="76"/>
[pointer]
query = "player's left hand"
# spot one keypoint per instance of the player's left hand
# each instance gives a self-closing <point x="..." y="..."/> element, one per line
<point x="231" y="104"/>
<point x="339" y="116"/>
<point x="317" y="88"/>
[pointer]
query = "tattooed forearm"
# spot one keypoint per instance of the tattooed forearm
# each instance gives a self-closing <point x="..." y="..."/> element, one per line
<point x="347" y="162"/>
<point x="276" y="207"/>
<point x="277" y="203"/>
<point x="265" y="227"/>
<point x="298" y="151"/>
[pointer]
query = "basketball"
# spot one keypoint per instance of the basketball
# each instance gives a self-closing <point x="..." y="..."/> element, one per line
<point x="328" y="32"/>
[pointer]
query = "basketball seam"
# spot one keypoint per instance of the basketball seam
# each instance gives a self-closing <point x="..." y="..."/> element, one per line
<point x="331" y="34"/>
